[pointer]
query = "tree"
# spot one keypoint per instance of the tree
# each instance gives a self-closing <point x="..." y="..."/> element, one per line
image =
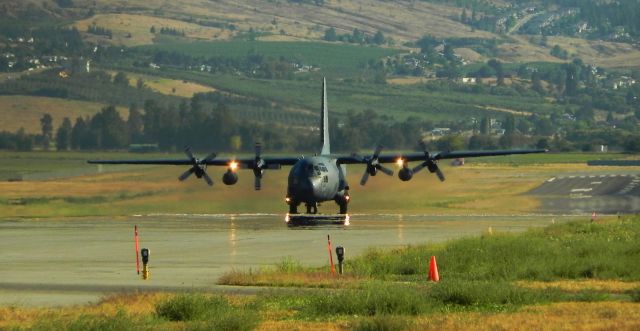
<point x="536" y="84"/>
<point x="571" y="80"/>
<point x="79" y="134"/>
<point x="485" y="126"/>
<point x="46" y="123"/>
<point x="497" y="66"/>
<point x="135" y="123"/>
<point x="378" y="38"/>
<point x="121" y="79"/>
<point x="330" y="34"/>
<point x="450" y="143"/>
<point x="63" y="136"/>
<point x="509" y="124"/>
<point x="153" y="29"/>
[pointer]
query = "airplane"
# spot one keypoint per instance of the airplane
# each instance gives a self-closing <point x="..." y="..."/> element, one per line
<point x="322" y="177"/>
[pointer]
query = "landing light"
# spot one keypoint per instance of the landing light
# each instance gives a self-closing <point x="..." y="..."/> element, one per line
<point x="233" y="165"/>
<point x="400" y="162"/>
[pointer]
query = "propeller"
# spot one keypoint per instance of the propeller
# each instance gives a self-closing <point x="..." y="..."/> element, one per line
<point x="259" y="165"/>
<point x="198" y="166"/>
<point x="430" y="162"/>
<point x="373" y="165"/>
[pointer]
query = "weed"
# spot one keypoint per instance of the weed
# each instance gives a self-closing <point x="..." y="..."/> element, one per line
<point x="380" y="323"/>
<point x="635" y="294"/>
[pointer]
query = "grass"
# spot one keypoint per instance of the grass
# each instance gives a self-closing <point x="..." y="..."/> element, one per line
<point x="458" y="301"/>
<point x="572" y="251"/>
<point x="331" y="58"/>
<point x="25" y="111"/>
<point x="168" y="86"/>
<point x="62" y="184"/>
<point x="138" y="26"/>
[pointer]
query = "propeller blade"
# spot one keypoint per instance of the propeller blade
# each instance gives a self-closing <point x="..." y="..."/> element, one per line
<point x="258" y="150"/>
<point x="257" y="183"/>
<point x="365" y="177"/>
<point x="387" y="171"/>
<point x="207" y="178"/>
<point x="419" y="167"/>
<point x="187" y="151"/>
<point x="440" y="174"/>
<point x="209" y="157"/>
<point x="186" y="174"/>
<point x="376" y="153"/>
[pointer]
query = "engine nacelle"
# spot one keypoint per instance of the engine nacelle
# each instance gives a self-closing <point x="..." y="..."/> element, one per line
<point x="229" y="178"/>
<point x="405" y="174"/>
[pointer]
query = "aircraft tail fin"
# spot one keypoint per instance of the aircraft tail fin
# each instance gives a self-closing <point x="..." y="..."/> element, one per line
<point x="324" y="122"/>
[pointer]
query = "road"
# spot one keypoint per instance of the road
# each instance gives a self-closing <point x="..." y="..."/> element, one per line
<point x="75" y="261"/>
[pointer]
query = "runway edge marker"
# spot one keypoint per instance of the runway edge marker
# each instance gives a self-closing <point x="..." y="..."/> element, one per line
<point x="137" y="244"/>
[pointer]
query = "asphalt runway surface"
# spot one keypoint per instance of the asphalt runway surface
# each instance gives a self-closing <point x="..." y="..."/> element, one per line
<point x="579" y="194"/>
<point x="75" y="261"/>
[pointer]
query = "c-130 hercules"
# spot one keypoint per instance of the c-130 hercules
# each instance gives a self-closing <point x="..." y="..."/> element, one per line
<point x="322" y="177"/>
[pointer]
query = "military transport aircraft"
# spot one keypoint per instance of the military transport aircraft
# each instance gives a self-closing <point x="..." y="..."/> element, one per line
<point x="322" y="177"/>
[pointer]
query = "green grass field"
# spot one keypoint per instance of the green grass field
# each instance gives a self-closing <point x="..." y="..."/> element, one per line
<point x="332" y="59"/>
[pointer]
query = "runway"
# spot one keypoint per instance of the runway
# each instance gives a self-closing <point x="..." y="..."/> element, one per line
<point x="579" y="194"/>
<point x="72" y="261"/>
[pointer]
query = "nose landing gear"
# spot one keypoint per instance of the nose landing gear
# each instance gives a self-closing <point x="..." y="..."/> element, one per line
<point x="312" y="208"/>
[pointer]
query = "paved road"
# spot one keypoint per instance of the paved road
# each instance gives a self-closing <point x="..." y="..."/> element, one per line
<point x="55" y="262"/>
<point x="579" y="194"/>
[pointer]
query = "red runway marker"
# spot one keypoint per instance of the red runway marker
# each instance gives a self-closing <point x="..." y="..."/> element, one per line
<point x="137" y="249"/>
<point x="333" y="267"/>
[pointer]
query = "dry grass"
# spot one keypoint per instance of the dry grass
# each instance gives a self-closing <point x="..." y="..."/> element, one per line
<point x="169" y="86"/>
<point x="472" y="189"/>
<point x="406" y="80"/>
<point x="609" y="286"/>
<point x="403" y="21"/>
<point x="25" y="111"/>
<point x="558" y="316"/>
<point x="600" y="53"/>
<point x="139" y="27"/>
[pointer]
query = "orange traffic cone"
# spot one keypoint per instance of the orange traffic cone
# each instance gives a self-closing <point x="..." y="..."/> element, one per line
<point x="433" y="270"/>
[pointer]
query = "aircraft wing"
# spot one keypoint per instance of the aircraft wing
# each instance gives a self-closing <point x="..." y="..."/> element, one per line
<point x="245" y="162"/>
<point x="392" y="158"/>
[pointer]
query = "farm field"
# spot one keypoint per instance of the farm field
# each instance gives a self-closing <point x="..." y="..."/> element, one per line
<point x="168" y="86"/>
<point x="393" y="100"/>
<point x="331" y="58"/>
<point x="134" y="30"/>
<point x="20" y="111"/>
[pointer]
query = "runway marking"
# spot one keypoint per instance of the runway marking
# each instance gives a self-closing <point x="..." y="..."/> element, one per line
<point x="551" y="180"/>
<point x="572" y="176"/>
<point x="582" y="190"/>
<point x="579" y="196"/>
<point x="596" y="183"/>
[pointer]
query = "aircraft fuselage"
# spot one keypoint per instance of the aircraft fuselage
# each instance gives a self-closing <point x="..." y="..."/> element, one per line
<point x="316" y="179"/>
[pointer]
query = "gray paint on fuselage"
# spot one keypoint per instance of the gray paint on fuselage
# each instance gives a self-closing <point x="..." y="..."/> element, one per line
<point x="315" y="179"/>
